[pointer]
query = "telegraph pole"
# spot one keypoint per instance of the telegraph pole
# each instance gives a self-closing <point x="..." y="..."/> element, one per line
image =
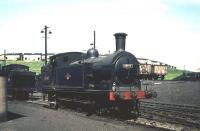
<point x="45" y="31"/>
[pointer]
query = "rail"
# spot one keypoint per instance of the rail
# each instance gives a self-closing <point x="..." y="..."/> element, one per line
<point x="173" y="113"/>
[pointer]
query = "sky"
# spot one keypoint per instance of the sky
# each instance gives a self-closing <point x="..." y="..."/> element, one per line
<point x="162" y="30"/>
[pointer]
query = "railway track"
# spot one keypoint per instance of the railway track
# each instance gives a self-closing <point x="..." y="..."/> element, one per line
<point x="178" y="114"/>
<point x="104" y="117"/>
<point x="114" y="117"/>
<point x="154" y="111"/>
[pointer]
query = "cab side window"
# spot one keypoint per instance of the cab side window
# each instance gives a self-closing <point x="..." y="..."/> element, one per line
<point x="53" y="62"/>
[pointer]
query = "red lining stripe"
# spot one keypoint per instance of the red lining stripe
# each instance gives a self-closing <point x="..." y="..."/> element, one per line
<point x="127" y="95"/>
<point x="140" y="94"/>
<point x="111" y="96"/>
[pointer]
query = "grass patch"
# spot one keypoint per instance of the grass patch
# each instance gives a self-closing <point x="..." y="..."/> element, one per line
<point x="34" y="66"/>
<point x="172" y="75"/>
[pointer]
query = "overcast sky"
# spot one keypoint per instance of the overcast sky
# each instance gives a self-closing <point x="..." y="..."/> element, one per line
<point x="163" y="30"/>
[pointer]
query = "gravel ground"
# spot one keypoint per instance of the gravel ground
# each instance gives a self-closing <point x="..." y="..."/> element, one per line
<point x="33" y="117"/>
<point x="176" y="92"/>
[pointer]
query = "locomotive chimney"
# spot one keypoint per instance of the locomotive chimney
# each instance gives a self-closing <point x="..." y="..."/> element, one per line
<point x="120" y="41"/>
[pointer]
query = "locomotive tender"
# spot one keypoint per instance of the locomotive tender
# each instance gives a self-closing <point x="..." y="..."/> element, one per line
<point x="109" y="82"/>
<point x="21" y="81"/>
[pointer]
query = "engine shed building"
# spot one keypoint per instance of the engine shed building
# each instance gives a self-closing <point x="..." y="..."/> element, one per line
<point x="25" y="56"/>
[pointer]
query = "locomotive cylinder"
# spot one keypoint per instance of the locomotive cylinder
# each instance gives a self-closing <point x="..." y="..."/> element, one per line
<point x="3" y="98"/>
<point x="120" y="41"/>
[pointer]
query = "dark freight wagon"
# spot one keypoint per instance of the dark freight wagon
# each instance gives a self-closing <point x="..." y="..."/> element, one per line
<point x="21" y="81"/>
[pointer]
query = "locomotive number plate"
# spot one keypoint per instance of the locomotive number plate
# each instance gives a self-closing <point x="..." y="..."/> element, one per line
<point x="127" y="66"/>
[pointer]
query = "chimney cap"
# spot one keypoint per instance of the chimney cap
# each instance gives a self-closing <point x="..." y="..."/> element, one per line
<point x="120" y="34"/>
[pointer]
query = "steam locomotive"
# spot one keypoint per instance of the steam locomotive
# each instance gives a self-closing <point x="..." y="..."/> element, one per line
<point x="21" y="81"/>
<point x="105" y="83"/>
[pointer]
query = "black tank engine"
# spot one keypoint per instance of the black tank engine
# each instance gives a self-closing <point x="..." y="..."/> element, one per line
<point x="106" y="82"/>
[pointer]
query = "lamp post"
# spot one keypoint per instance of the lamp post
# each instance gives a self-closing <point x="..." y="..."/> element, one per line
<point x="45" y="31"/>
<point x="4" y="60"/>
